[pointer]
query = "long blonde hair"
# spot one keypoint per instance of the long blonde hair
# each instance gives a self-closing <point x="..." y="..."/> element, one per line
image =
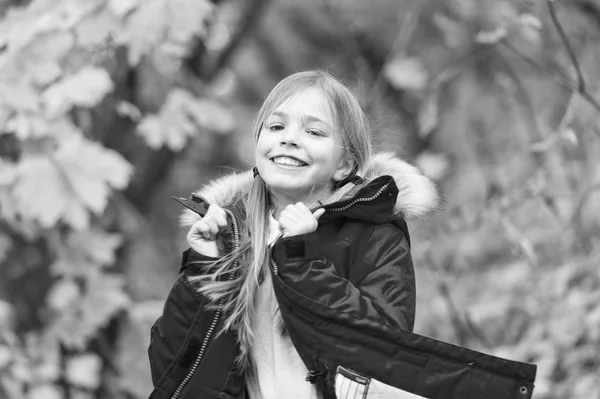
<point x="236" y="298"/>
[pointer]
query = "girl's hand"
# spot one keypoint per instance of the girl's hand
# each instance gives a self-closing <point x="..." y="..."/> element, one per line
<point x="297" y="219"/>
<point x="202" y="236"/>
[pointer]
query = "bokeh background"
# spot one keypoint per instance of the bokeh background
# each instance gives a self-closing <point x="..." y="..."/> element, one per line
<point x="109" y="107"/>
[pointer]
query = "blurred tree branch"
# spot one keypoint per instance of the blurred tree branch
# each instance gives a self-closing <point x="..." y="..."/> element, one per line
<point x="206" y="67"/>
<point x="567" y="44"/>
<point x="351" y="42"/>
<point x="581" y="86"/>
<point x="578" y="87"/>
<point x="462" y="324"/>
<point x="407" y="27"/>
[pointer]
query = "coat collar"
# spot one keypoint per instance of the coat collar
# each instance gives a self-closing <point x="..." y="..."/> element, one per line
<point x="407" y="192"/>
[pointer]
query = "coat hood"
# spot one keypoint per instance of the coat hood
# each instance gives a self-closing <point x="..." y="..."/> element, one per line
<point x="417" y="194"/>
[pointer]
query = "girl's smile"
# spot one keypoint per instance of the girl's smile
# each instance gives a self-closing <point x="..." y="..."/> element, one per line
<point x="297" y="152"/>
<point x="289" y="161"/>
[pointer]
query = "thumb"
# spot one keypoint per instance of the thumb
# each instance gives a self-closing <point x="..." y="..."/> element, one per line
<point x="318" y="213"/>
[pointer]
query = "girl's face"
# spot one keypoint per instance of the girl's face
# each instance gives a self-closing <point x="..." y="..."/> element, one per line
<point x="297" y="152"/>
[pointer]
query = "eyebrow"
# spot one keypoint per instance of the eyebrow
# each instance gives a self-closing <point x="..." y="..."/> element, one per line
<point x="305" y="118"/>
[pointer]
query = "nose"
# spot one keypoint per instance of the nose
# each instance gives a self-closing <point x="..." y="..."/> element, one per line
<point x="290" y="136"/>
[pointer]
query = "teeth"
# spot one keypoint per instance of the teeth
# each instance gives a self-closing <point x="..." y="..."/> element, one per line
<point x="287" y="161"/>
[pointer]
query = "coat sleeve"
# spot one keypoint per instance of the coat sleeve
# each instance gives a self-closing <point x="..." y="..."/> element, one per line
<point x="385" y="295"/>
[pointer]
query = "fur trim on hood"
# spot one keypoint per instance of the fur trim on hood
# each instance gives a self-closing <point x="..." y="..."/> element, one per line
<point x="417" y="194"/>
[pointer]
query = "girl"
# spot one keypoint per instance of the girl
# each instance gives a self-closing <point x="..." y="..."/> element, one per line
<point x="299" y="281"/>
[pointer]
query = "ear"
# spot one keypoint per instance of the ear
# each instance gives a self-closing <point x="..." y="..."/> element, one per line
<point x="344" y="170"/>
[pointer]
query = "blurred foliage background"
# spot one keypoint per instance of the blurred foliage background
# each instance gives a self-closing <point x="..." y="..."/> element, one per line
<point x="109" y="107"/>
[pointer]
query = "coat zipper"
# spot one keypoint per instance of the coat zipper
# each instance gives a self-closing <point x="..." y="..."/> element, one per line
<point x="340" y="209"/>
<point x="215" y="319"/>
<point x="362" y="199"/>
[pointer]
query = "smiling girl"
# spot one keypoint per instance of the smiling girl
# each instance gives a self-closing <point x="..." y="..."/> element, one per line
<point x="299" y="280"/>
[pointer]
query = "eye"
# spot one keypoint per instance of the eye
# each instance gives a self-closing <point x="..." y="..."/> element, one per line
<point x="315" y="132"/>
<point x="276" y="126"/>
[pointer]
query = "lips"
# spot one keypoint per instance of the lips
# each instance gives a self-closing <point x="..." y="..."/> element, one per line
<point x="288" y="160"/>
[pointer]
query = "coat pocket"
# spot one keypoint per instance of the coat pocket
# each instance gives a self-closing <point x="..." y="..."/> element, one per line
<point x="351" y="385"/>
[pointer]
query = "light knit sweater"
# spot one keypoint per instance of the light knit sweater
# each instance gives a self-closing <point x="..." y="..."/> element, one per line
<point x="278" y="369"/>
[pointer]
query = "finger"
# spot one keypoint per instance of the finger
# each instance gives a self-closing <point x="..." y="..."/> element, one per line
<point x="203" y="231"/>
<point x="285" y="219"/>
<point x="301" y="207"/>
<point x="318" y="213"/>
<point x="213" y="228"/>
<point x="197" y="233"/>
<point x="197" y="229"/>
<point x="221" y="219"/>
<point x="218" y="214"/>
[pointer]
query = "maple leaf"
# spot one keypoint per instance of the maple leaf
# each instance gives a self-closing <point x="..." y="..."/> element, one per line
<point x="63" y="294"/>
<point x="129" y="110"/>
<point x="96" y="245"/>
<point x="157" y="21"/>
<point x="76" y="178"/>
<point x="407" y="73"/>
<point x="20" y="97"/>
<point x="181" y="117"/>
<point x="45" y="391"/>
<point x="98" y="30"/>
<point x="84" y="370"/>
<point x="187" y="19"/>
<point x="172" y="126"/>
<point x="92" y="170"/>
<point x="30" y="61"/>
<point x="27" y="126"/>
<point x="81" y="250"/>
<point x="122" y="7"/>
<point x="102" y="299"/>
<point x="86" y="88"/>
<point x="211" y="115"/>
<point x="39" y="174"/>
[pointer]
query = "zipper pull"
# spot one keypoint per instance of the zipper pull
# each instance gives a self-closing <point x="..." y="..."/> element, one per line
<point x="313" y="375"/>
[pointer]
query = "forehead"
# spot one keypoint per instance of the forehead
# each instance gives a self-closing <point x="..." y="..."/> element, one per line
<point x="309" y="102"/>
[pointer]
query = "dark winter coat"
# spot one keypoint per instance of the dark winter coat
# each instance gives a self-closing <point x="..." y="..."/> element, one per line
<point x="347" y="297"/>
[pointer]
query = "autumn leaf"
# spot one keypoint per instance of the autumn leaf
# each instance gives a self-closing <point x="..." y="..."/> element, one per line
<point x="96" y="245"/>
<point x="92" y="170"/>
<point x="103" y="298"/>
<point x="39" y="174"/>
<point x="98" y="30"/>
<point x="406" y="73"/>
<point x="84" y="370"/>
<point x="122" y="7"/>
<point x="45" y="391"/>
<point x="63" y="294"/>
<point x="187" y="19"/>
<point x="210" y="115"/>
<point x="27" y="63"/>
<point x="492" y="36"/>
<point x="82" y="250"/>
<point x="156" y="21"/>
<point x="27" y="126"/>
<point x="428" y="116"/>
<point x="76" y="178"/>
<point x="46" y="72"/>
<point x="20" y="98"/>
<point x="86" y="88"/>
<point x="129" y="110"/>
<point x="181" y="117"/>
